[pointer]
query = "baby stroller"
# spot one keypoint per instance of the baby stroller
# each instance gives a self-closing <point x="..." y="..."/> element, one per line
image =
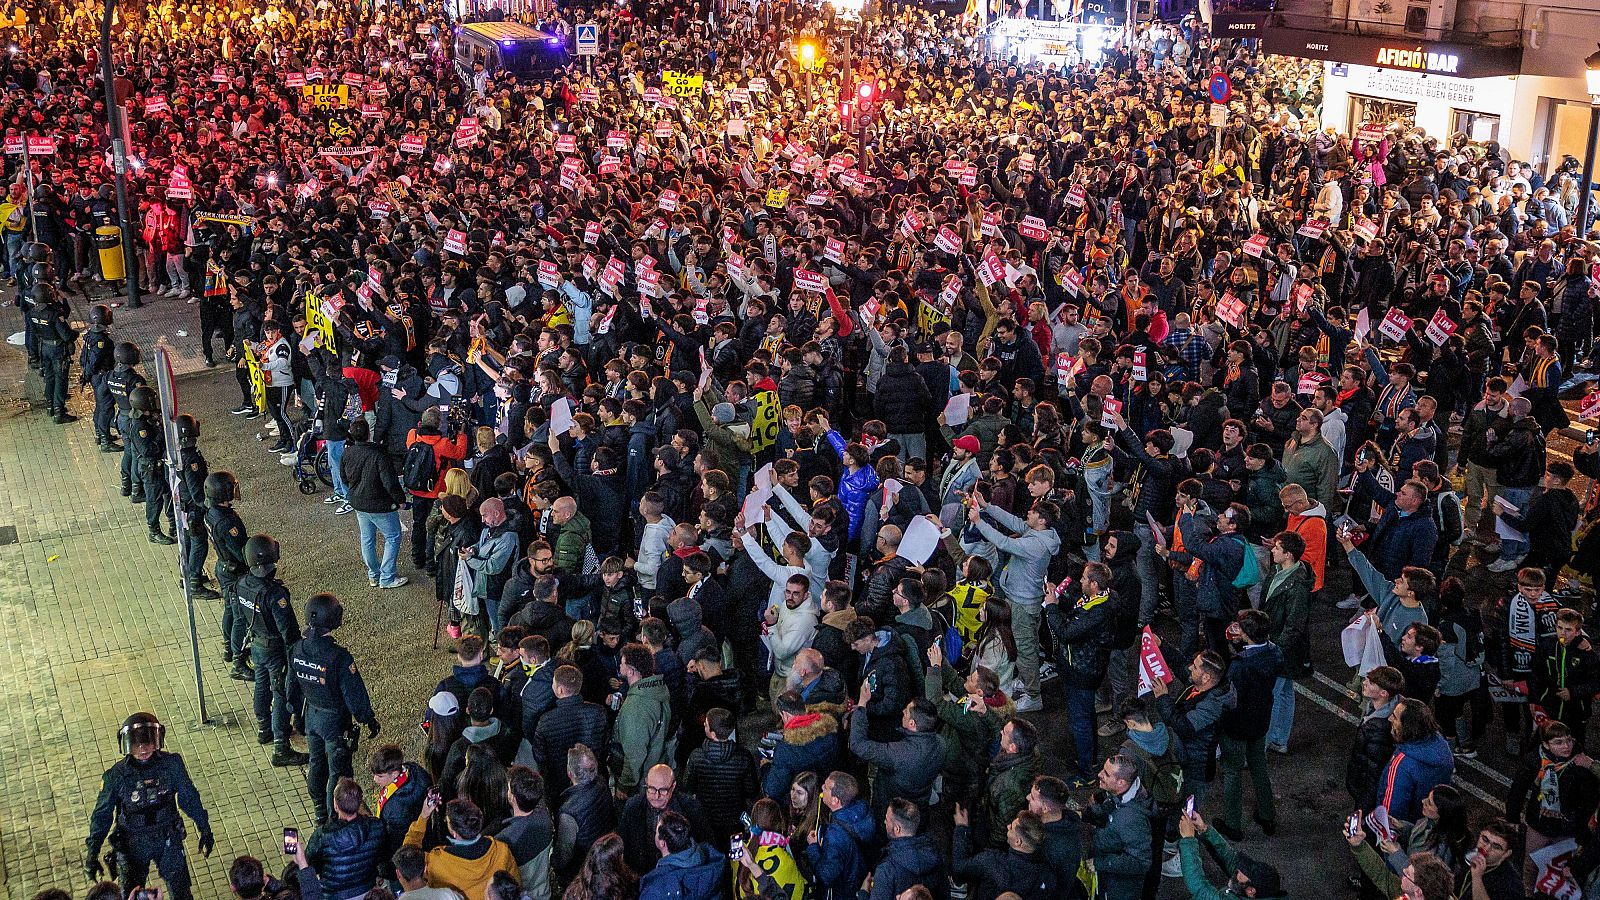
<point x="311" y="459"/>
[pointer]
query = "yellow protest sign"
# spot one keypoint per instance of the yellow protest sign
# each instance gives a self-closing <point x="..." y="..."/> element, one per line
<point x="764" y="427"/>
<point x="328" y="96"/>
<point x="931" y="319"/>
<point x="777" y="197"/>
<point x="339" y="129"/>
<point x="317" y="321"/>
<point x="682" y="84"/>
<point x="258" y="381"/>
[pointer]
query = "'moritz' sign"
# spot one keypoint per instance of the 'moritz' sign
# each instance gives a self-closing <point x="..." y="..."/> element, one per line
<point x="1418" y="59"/>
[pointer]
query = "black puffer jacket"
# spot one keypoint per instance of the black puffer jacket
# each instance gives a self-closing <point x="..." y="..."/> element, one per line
<point x="722" y="776"/>
<point x="1370" y="753"/>
<point x="601" y="496"/>
<point x="371" y="484"/>
<point x="1206" y="418"/>
<point x="903" y="401"/>
<point x="890" y="671"/>
<point x="345" y="855"/>
<point x="1517" y="453"/>
<point x="1082" y="633"/>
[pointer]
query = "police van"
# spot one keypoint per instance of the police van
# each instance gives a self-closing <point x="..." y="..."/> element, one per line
<point x="527" y="53"/>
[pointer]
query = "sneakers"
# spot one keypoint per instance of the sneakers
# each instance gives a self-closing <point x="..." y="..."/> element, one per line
<point x="1047" y="672"/>
<point x="344" y="508"/>
<point x="252" y="413"/>
<point x="1281" y="749"/>
<point x="402" y="581"/>
<point x="1467" y="751"/>
<point x="1350" y="602"/>
<point x="334" y="498"/>
<point x="1172" y="866"/>
<point x="242" y="408"/>
<point x="1026" y="703"/>
<point x="288" y="458"/>
<point x="1079" y="782"/>
<point x="372" y="581"/>
<point x="1504" y="565"/>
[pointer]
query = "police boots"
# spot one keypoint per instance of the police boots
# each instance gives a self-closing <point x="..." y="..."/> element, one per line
<point x="199" y="590"/>
<point x="284" y="756"/>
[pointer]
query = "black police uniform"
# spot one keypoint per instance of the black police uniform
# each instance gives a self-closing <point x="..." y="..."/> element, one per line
<point x="120" y="384"/>
<point x="143" y="799"/>
<point x="335" y="696"/>
<point x="228" y="536"/>
<point x="55" y="338"/>
<point x="95" y="363"/>
<point x="265" y="603"/>
<point x="192" y="472"/>
<point x="149" y="446"/>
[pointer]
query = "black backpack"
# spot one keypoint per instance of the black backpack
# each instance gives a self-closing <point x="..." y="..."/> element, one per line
<point x="421" y="469"/>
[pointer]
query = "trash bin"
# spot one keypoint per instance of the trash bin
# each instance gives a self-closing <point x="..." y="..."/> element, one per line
<point x="108" y="241"/>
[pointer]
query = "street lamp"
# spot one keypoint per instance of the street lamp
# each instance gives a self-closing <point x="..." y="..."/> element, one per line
<point x="119" y="156"/>
<point x="810" y="56"/>
<point x="1591" y="72"/>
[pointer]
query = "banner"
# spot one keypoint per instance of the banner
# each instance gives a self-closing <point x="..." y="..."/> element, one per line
<point x="1395" y="324"/>
<point x="1152" y="665"/>
<point x="682" y="84"/>
<point x="327" y="96"/>
<point x="318" y="321"/>
<point x="258" y="382"/>
<point x="768" y="418"/>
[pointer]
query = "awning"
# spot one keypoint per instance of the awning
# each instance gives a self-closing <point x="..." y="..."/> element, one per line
<point x="1394" y="52"/>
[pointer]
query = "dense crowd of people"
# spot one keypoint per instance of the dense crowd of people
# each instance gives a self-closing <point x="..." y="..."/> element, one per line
<point x="775" y="444"/>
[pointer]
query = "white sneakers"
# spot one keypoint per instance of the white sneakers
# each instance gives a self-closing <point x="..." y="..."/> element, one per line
<point x="1026" y="703"/>
<point x="1504" y="565"/>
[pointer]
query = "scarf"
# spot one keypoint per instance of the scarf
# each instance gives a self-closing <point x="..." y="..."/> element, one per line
<point x="391" y="789"/>
<point x="1549" y="781"/>
<point x="803" y="721"/>
<point x="1154" y="742"/>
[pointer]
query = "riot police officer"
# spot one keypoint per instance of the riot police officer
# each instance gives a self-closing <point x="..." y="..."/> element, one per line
<point x="35" y="269"/>
<point x="192" y="472"/>
<point x="228" y="536"/>
<point x="95" y="363"/>
<point x="148" y="442"/>
<point x="265" y="600"/>
<point x="335" y="697"/>
<point x="138" y="808"/>
<point x="48" y="316"/>
<point x="120" y="384"/>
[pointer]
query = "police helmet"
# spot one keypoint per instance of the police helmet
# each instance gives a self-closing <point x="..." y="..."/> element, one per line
<point x="139" y="730"/>
<point x="100" y="315"/>
<point x="43" y="292"/>
<point x="221" y="487"/>
<point x="324" y="613"/>
<point x="35" y="251"/>
<point x="188" y="430"/>
<point x="42" y="272"/>
<point x="126" y="353"/>
<point x="143" y="399"/>
<point x="261" y="552"/>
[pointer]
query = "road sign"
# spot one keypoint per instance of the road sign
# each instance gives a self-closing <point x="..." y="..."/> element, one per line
<point x="588" y="39"/>
<point x="1219" y="115"/>
<point x="1221" y="88"/>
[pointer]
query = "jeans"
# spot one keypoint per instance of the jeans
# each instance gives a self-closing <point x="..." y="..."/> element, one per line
<point x="371" y="524"/>
<point x="14" y="265"/>
<point x="1149" y="566"/>
<point x="912" y="445"/>
<point x="1518" y="497"/>
<point x="335" y="456"/>
<point x="1282" y="712"/>
<point x="1236" y="756"/>
<point x="1025" y="628"/>
<point x="1080" y="717"/>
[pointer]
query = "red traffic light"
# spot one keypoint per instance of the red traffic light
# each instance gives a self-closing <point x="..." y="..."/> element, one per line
<point x="866" y="91"/>
<point x="844" y="110"/>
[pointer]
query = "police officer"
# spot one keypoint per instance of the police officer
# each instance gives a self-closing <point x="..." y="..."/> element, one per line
<point x="229" y="537"/>
<point x="95" y="362"/>
<point x="192" y="472"/>
<point x="140" y="796"/>
<point x="335" y="697"/>
<point x="149" y="445"/>
<point x="48" y="316"/>
<point x="35" y="269"/>
<point x="120" y="384"/>
<point x="265" y="601"/>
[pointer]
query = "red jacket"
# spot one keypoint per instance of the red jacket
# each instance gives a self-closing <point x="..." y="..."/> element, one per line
<point x="444" y="449"/>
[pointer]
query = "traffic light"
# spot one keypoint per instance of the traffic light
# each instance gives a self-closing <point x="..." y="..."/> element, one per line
<point x="867" y="91"/>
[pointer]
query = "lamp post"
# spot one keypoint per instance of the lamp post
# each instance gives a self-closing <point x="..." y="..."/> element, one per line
<point x="1591" y="72"/>
<point x="119" y="157"/>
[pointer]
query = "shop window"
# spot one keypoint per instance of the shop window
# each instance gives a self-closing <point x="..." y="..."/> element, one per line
<point x="1478" y="127"/>
<point x="1383" y="112"/>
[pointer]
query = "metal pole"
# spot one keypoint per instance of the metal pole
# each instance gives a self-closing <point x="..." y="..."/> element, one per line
<point x="166" y="391"/>
<point x="33" y="208"/>
<point x="1586" y="192"/>
<point x="119" y="158"/>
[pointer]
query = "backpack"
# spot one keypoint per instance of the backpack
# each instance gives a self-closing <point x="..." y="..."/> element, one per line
<point x="1166" y="772"/>
<point x="1249" y="570"/>
<point x="421" y="471"/>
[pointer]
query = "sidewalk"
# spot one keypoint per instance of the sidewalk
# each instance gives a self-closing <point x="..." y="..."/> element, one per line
<point x="93" y="627"/>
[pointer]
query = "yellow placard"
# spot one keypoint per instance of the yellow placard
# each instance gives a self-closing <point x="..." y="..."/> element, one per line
<point x="931" y="319"/>
<point x="340" y="129"/>
<point x="258" y="381"/>
<point x="777" y="197"/>
<point x="764" y="427"/>
<point x="682" y="84"/>
<point x="317" y="321"/>
<point x="328" y="96"/>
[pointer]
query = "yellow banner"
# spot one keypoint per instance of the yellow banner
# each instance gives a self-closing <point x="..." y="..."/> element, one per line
<point x="764" y="427"/>
<point x="258" y="381"/>
<point x="777" y="197"/>
<point x="682" y="84"/>
<point x="328" y="96"/>
<point x="317" y="321"/>
<point x="931" y="320"/>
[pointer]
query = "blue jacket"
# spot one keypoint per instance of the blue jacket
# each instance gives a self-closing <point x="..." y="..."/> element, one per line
<point x="1416" y="768"/>
<point x="345" y="855"/>
<point x="1222" y="557"/>
<point x="854" y="488"/>
<point x="810" y="748"/>
<point x="699" y="872"/>
<point x="911" y="861"/>
<point x="838" y="860"/>
<point x="1253" y="673"/>
<point x="1399" y="541"/>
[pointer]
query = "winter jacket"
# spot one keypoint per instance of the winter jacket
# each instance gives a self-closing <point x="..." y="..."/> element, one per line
<point x="1369" y="755"/>
<point x="371" y="484"/>
<point x="698" y="873"/>
<point x="722" y="776"/>
<point x="1253" y="673"/>
<point x="1575" y="667"/>
<point x="494" y="736"/>
<point x="906" y="767"/>
<point x="602" y="497"/>
<point x="345" y="855"/>
<point x="1518" y="454"/>
<point x="641" y="735"/>
<point x="1010" y="779"/>
<point x="444" y="452"/>
<point x="684" y="615"/>
<point x="1314" y="466"/>
<point x="1399" y="540"/>
<point x="572" y="543"/>
<point x="1394" y="617"/>
<point x="910" y="861"/>
<point x="1027" y="556"/>
<point x="839" y="858"/>
<point x="399" y="810"/>
<point x="1415" y="769"/>
<point x="464" y="868"/>
<point x="1561" y="813"/>
<point x="808" y="743"/>
<point x="855" y="489"/>
<point x="1121" y="843"/>
<point x="1194" y="716"/>
<point x="587" y="813"/>
<point x="791" y="634"/>
<point x="533" y="691"/>
<point x="1288" y="604"/>
<point x="1082" y="634"/>
<point x="902" y="401"/>
<point x="1222" y="556"/>
<point x="1194" y="875"/>
<point x="1312" y="525"/>
<point x="572" y="721"/>
<point x="887" y="666"/>
<point x="636" y="825"/>
<point x="990" y="873"/>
